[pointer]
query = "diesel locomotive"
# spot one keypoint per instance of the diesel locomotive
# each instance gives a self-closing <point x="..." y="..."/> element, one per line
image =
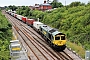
<point x="55" y="38"/>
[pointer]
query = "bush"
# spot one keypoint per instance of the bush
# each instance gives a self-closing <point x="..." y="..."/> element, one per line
<point x="5" y="37"/>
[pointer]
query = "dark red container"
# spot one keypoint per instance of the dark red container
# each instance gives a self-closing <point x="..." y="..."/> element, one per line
<point x="30" y="21"/>
<point x="24" y="19"/>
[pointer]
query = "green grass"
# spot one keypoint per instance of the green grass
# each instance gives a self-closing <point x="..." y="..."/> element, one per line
<point x="14" y="38"/>
<point x="4" y="55"/>
<point x="78" y="49"/>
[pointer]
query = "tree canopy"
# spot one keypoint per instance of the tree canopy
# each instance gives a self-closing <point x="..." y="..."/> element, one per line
<point x="56" y="4"/>
<point x="13" y="8"/>
<point x="74" y="4"/>
<point x="5" y="37"/>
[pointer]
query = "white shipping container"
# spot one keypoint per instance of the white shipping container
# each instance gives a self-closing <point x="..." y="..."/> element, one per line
<point x="12" y="14"/>
<point x="15" y="15"/>
<point x="37" y="25"/>
<point x="9" y="12"/>
<point x="19" y="17"/>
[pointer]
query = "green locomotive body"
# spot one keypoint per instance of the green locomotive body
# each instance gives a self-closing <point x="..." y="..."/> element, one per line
<point x="54" y="37"/>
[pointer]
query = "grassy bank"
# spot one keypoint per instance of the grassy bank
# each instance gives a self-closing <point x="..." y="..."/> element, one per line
<point x="78" y="49"/>
<point x="5" y="37"/>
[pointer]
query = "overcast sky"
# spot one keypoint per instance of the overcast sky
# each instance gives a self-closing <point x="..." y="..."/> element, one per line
<point x="32" y="2"/>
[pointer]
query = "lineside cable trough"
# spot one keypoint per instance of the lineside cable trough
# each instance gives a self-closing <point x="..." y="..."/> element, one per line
<point x="17" y="51"/>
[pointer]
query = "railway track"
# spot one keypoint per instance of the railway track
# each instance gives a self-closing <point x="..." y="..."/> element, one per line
<point x="37" y="45"/>
<point x="63" y="53"/>
<point x="39" y="53"/>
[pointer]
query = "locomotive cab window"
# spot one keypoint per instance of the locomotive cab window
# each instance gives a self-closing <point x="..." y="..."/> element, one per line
<point x="62" y="37"/>
<point x="57" y="37"/>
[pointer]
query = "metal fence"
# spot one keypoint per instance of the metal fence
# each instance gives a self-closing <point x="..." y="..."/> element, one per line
<point x="18" y="54"/>
<point x="87" y="55"/>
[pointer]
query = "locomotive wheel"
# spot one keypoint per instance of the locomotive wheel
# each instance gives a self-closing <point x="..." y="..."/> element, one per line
<point x="52" y="45"/>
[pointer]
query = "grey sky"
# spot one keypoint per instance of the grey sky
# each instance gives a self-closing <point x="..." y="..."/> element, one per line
<point x="32" y="2"/>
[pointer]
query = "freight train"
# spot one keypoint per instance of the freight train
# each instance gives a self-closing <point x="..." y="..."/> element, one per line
<point x="56" y="39"/>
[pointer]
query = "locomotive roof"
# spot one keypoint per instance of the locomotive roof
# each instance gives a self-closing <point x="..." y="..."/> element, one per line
<point x="47" y="28"/>
<point x="55" y="33"/>
<point x="50" y="30"/>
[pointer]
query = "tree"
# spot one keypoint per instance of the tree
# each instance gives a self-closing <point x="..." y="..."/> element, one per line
<point x="13" y="8"/>
<point x="88" y="3"/>
<point x="5" y="37"/>
<point x="56" y="4"/>
<point x="74" y="4"/>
